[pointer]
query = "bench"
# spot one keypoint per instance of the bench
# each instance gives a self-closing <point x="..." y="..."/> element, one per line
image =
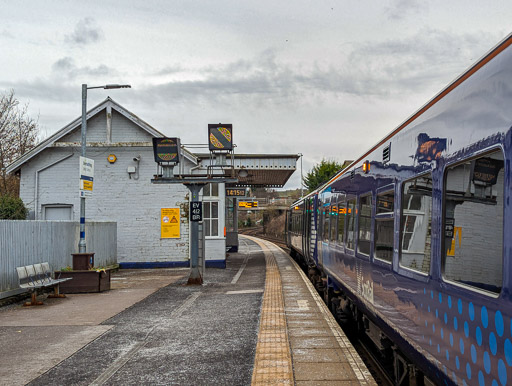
<point x="37" y="276"/>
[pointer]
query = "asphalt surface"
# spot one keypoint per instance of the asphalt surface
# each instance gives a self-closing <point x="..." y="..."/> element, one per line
<point x="200" y="335"/>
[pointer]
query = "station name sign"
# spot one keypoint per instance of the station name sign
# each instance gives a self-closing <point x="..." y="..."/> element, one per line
<point x="233" y="192"/>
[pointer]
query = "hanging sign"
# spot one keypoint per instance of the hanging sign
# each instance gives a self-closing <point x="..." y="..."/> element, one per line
<point x="166" y="149"/>
<point x="170" y="223"/>
<point x="86" y="176"/>
<point x="235" y="192"/>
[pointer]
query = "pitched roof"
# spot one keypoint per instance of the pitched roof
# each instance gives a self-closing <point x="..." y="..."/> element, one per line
<point x="109" y="102"/>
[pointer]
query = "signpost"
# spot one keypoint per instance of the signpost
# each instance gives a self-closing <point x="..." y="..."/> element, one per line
<point x="86" y="176"/>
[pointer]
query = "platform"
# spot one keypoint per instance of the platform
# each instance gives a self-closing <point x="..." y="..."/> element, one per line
<point x="259" y="321"/>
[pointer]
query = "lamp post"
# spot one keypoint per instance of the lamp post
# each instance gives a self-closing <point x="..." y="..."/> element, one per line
<point x="81" y="243"/>
<point x="301" y="179"/>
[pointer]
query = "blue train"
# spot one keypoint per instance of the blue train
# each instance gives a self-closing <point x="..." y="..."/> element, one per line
<point x="411" y="241"/>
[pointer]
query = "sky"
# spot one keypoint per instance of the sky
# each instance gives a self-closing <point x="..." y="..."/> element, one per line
<point x="327" y="79"/>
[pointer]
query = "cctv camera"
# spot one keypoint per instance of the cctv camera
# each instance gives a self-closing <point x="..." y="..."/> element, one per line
<point x="136" y="159"/>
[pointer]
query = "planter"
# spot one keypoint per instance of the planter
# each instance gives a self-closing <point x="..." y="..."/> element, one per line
<point x="84" y="281"/>
<point x="82" y="261"/>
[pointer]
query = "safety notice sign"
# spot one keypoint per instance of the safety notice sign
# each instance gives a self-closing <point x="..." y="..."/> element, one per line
<point x="170" y="223"/>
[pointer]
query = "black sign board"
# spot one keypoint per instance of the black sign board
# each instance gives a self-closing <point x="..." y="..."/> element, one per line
<point x="196" y="211"/>
<point x="220" y="137"/>
<point x="166" y="149"/>
<point x="235" y="192"/>
<point x="486" y="170"/>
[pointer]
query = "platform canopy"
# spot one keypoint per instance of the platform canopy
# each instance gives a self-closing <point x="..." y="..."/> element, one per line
<point x="263" y="170"/>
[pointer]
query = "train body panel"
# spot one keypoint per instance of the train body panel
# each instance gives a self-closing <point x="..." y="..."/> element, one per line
<point x="418" y="242"/>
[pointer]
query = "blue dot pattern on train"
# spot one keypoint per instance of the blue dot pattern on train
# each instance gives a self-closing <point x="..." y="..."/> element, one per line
<point x="483" y="354"/>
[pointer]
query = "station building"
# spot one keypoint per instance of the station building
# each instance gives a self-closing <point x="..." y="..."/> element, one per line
<point x="120" y="143"/>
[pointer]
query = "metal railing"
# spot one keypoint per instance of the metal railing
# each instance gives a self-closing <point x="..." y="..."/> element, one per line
<point x="30" y="242"/>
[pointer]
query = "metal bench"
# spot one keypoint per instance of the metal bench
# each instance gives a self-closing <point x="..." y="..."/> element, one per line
<point x="37" y="276"/>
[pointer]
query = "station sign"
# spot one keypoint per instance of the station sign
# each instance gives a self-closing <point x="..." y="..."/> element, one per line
<point x="86" y="176"/>
<point x="248" y="204"/>
<point x="196" y="211"/>
<point x="235" y="192"/>
<point x="167" y="149"/>
<point x="220" y="137"/>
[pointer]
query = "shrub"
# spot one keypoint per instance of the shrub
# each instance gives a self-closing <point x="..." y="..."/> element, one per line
<point x="12" y="208"/>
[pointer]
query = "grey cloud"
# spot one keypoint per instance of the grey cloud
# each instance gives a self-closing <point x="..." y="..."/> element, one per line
<point x="374" y="69"/>
<point x="66" y="67"/>
<point x="6" y="34"/>
<point x="400" y="9"/>
<point x="85" y="32"/>
<point x="169" y="70"/>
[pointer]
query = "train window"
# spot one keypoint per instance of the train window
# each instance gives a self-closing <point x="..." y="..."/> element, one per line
<point x="334" y="221"/>
<point x="473" y="222"/>
<point x="342" y="213"/>
<point x="365" y="224"/>
<point x="384" y="226"/>
<point x="350" y="223"/>
<point x="415" y="223"/>
<point x="325" y="229"/>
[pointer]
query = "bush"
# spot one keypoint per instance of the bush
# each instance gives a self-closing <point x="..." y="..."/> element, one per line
<point x="12" y="208"/>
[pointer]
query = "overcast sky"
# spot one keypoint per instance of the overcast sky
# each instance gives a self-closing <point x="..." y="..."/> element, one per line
<point x="324" y="78"/>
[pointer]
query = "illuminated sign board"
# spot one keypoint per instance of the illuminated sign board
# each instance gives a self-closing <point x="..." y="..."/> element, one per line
<point x="248" y="204"/>
<point x="220" y="137"/>
<point x="235" y="192"/>
<point x="166" y="149"/>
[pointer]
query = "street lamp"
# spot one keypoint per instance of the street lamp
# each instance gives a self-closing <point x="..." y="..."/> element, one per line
<point x="81" y="243"/>
<point x="301" y="179"/>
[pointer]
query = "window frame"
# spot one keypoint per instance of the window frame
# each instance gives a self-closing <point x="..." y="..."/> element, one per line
<point x="382" y="217"/>
<point x="353" y="215"/>
<point x="402" y="269"/>
<point x="447" y="166"/>
<point x="358" y="223"/>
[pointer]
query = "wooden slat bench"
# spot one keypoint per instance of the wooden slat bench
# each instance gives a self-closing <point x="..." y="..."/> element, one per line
<point x="37" y="276"/>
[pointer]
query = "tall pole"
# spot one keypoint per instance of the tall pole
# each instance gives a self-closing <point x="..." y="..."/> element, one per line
<point x="195" y="275"/>
<point x="81" y="243"/>
<point x="301" y="180"/>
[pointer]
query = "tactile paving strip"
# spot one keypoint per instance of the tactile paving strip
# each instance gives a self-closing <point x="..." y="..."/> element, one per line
<point x="273" y="362"/>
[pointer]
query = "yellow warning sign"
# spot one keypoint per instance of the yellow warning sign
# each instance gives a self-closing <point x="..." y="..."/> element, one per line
<point x="169" y="223"/>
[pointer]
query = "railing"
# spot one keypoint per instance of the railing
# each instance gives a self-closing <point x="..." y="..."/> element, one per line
<point x="30" y="242"/>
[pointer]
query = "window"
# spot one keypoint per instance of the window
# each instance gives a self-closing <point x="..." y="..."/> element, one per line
<point x="415" y="223"/>
<point x="365" y="224"/>
<point x="211" y="218"/>
<point x="473" y="222"/>
<point x="384" y="226"/>
<point x="211" y="190"/>
<point x="342" y="213"/>
<point x="350" y="223"/>
<point x="325" y="229"/>
<point x="334" y="221"/>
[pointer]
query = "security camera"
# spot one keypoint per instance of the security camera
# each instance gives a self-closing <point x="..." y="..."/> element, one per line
<point x="136" y="159"/>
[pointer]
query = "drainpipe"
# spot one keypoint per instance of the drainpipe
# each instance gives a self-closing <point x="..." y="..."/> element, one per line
<point x="36" y="188"/>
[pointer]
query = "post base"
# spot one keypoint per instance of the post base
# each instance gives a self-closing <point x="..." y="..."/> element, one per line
<point x="195" y="281"/>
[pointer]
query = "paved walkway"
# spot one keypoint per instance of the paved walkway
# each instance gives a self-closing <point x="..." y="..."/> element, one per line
<point x="258" y="321"/>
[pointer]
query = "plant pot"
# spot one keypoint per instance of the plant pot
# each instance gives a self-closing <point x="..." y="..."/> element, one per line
<point x="84" y="281"/>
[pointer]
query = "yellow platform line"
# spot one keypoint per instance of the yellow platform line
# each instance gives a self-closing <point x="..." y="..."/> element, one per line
<point x="273" y="361"/>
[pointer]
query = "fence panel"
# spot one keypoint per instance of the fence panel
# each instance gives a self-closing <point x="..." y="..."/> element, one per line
<point x="30" y="242"/>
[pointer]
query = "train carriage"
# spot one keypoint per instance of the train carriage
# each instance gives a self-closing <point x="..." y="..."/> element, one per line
<point x="411" y="239"/>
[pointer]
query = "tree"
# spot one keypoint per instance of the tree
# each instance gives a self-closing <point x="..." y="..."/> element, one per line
<point x="12" y="208"/>
<point x="18" y="134"/>
<point x="322" y="172"/>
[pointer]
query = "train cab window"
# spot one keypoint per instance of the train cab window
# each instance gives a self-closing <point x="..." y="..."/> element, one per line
<point x="342" y="213"/>
<point x="350" y="223"/>
<point x="384" y="226"/>
<point x="365" y="224"/>
<point x="415" y="223"/>
<point x="473" y="222"/>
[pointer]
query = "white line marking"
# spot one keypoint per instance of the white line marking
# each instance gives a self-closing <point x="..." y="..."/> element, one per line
<point x="239" y="273"/>
<point x="253" y="291"/>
